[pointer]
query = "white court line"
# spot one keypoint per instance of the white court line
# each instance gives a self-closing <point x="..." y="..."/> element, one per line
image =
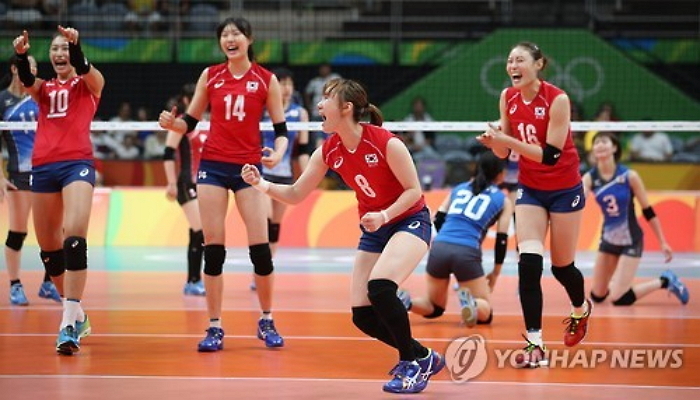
<point x="57" y="307"/>
<point x="358" y="339"/>
<point x="343" y="380"/>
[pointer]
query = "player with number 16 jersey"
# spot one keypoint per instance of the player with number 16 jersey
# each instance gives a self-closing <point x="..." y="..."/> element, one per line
<point x="528" y="123"/>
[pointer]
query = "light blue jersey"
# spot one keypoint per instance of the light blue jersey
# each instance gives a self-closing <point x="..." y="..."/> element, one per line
<point x="469" y="216"/>
<point x="284" y="168"/>
<point x="20" y="143"/>
<point x="615" y="198"/>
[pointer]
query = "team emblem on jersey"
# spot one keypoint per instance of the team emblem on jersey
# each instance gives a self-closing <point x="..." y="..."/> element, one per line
<point x="372" y="160"/>
<point x="251" y="86"/>
<point x="513" y="109"/>
<point x="539" y="112"/>
<point x="338" y="162"/>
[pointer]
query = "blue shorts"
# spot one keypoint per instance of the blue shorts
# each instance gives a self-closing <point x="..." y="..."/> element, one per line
<point x="633" y="250"/>
<point x="558" y="201"/>
<point x="417" y="224"/>
<point x="222" y="174"/>
<point x="53" y="177"/>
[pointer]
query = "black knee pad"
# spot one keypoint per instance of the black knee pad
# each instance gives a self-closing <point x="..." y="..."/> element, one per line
<point x="530" y="271"/>
<point x="15" y="240"/>
<point x="365" y="319"/>
<point x="437" y="312"/>
<point x="214" y="257"/>
<point x="54" y="262"/>
<point x="599" y="299"/>
<point x="261" y="257"/>
<point x="273" y="231"/>
<point x="75" y="251"/>
<point x="378" y="289"/>
<point x="196" y="240"/>
<point x="626" y="299"/>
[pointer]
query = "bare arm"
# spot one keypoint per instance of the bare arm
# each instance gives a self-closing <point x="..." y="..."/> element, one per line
<point x="275" y="108"/>
<point x="587" y="184"/>
<point x="641" y="194"/>
<point x="168" y="119"/>
<point x="303" y="138"/>
<point x="172" y="140"/>
<point x="296" y="192"/>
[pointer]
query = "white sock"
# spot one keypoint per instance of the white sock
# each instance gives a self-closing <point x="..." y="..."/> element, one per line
<point x="266" y="315"/>
<point x="535" y="337"/>
<point x="215" y="323"/>
<point x="70" y="313"/>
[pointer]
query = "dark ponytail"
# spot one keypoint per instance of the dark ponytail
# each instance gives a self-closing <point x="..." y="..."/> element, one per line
<point x="487" y="170"/>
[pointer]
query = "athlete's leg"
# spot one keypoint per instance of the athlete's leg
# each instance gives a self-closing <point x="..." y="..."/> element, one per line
<point x="18" y="207"/>
<point x="254" y="209"/>
<point x="213" y="205"/>
<point x="603" y="270"/>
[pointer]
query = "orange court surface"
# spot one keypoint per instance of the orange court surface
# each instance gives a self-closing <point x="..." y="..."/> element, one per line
<point x="145" y="333"/>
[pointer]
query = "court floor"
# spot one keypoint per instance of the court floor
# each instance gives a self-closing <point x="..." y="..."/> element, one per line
<point x="145" y="334"/>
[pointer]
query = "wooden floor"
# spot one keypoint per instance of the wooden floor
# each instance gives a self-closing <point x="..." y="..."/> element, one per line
<point x="145" y="334"/>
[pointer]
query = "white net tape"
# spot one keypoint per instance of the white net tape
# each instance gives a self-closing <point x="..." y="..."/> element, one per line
<point x="457" y="126"/>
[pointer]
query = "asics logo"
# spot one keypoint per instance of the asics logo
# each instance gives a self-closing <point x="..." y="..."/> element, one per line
<point x="513" y="109"/>
<point x="218" y="84"/>
<point x="84" y="172"/>
<point x="338" y="163"/>
<point x="414" y="225"/>
<point x="74" y="244"/>
<point x="576" y="201"/>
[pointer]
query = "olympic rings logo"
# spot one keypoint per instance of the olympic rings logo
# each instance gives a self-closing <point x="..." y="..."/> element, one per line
<point x="581" y="77"/>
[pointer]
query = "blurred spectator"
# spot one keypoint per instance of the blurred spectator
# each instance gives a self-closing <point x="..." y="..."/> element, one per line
<point x="651" y="146"/>
<point x="143" y="115"/>
<point x="154" y="145"/>
<point x="314" y="89"/>
<point x="128" y="149"/>
<point x="123" y="115"/>
<point x="147" y="15"/>
<point x="24" y="14"/>
<point x="419" y="141"/>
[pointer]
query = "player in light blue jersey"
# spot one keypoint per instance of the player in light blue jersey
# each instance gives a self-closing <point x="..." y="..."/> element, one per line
<point x="17" y="106"/>
<point x="615" y="187"/>
<point x="299" y="149"/>
<point x="462" y="221"/>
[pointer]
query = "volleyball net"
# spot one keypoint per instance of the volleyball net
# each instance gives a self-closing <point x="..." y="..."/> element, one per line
<point x="683" y="128"/>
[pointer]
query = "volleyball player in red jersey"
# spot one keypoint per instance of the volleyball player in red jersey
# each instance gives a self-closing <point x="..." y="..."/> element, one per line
<point x="182" y="186"/>
<point x="237" y="92"/>
<point x="63" y="171"/>
<point x="535" y="122"/>
<point x="394" y="220"/>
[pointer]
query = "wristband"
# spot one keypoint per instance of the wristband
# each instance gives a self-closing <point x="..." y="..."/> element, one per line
<point x="385" y="215"/>
<point x="262" y="185"/>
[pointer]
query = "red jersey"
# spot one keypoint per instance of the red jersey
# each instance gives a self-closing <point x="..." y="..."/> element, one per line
<point x="66" y="110"/>
<point x="189" y="153"/>
<point x="237" y="105"/>
<point x="366" y="170"/>
<point x="529" y="123"/>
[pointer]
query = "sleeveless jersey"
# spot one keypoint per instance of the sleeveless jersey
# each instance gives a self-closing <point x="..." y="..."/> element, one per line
<point x="615" y="198"/>
<point x="529" y="123"/>
<point x="366" y="170"/>
<point x="66" y="110"/>
<point x="469" y="217"/>
<point x="284" y="168"/>
<point x="189" y="152"/>
<point x="19" y="142"/>
<point x="237" y="106"/>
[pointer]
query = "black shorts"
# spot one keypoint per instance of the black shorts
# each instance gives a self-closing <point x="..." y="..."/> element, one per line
<point x="282" y="180"/>
<point x="448" y="258"/>
<point x="634" y="250"/>
<point x="22" y="180"/>
<point x="186" y="191"/>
